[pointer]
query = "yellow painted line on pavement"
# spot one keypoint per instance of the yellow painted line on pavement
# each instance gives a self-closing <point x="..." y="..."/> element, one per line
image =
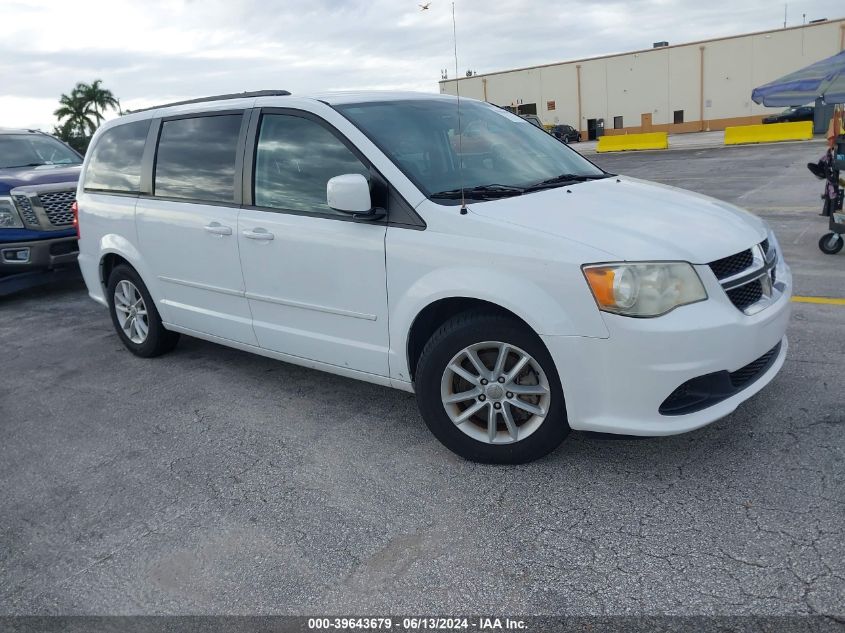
<point x="831" y="301"/>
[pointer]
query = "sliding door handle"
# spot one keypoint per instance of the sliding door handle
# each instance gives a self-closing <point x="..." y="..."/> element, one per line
<point x="215" y="228"/>
<point x="259" y="234"/>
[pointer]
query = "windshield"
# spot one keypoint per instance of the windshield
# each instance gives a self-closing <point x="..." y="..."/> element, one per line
<point x="498" y="148"/>
<point x="32" y="150"/>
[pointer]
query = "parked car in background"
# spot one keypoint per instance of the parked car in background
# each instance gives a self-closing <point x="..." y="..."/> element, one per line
<point x="343" y="232"/>
<point x="38" y="176"/>
<point x="533" y="119"/>
<point x="799" y="113"/>
<point x="566" y="133"/>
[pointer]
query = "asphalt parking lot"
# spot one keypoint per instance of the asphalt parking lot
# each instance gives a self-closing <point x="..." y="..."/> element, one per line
<point x="214" y="481"/>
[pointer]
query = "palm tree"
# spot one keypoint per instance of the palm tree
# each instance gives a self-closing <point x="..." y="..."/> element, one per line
<point x="78" y="111"/>
<point x="99" y="98"/>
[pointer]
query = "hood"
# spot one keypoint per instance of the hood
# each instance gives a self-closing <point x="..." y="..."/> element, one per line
<point x="634" y="219"/>
<point x="41" y="175"/>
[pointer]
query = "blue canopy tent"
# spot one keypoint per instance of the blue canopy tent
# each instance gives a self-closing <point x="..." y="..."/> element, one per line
<point x="824" y="83"/>
<point x="823" y="80"/>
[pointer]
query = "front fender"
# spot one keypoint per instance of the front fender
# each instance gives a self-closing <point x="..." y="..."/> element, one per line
<point x="547" y="313"/>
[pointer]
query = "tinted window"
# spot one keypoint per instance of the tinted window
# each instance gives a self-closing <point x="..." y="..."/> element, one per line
<point x="31" y="150"/>
<point x="295" y="159"/>
<point x="491" y="146"/>
<point x="196" y="158"/>
<point x="115" y="164"/>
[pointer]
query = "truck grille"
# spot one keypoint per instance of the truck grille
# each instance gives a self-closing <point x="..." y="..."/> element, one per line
<point x="26" y="210"/>
<point x="57" y="206"/>
<point x="748" y="277"/>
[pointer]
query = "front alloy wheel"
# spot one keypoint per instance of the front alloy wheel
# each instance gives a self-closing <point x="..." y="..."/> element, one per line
<point x="495" y="392"/>
<point x="489" y="390"/>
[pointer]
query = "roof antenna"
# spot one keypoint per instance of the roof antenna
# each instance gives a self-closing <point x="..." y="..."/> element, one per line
<point x="460" y="135"/>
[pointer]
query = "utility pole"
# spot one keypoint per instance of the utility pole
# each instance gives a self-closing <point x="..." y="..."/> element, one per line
<point x="785" y="5"/>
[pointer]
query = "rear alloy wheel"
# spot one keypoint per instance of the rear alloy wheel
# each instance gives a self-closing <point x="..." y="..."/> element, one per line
<point x="134" y="315"/>
<point x="831" y="243"/>
<point x="131" y="312"/>
<point x="489" y="391"/>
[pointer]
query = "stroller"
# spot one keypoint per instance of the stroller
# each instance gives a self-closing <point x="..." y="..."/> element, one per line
<point x="832" y="242"/>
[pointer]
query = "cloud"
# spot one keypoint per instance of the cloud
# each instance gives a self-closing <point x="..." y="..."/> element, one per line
<point x="156" y="51"/>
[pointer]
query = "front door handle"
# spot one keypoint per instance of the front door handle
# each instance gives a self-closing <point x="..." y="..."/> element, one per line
<point x="215" y="228"/>
<point x="259" y="234"/>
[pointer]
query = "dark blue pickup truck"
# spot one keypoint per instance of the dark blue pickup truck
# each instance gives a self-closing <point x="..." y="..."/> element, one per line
<point x="38" y="175"/>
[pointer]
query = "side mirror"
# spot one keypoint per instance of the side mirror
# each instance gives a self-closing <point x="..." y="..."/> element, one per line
<point x="350" y="193"/>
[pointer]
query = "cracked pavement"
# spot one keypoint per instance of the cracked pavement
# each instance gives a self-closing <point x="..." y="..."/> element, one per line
<point x="213" y="481"/>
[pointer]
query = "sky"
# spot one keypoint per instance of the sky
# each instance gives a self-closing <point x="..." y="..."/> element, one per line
<point x="154" y="51"/>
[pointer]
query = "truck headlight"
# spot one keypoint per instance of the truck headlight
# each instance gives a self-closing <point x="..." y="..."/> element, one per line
<point x="9" y="217"/>
<point x="644" y="289"/>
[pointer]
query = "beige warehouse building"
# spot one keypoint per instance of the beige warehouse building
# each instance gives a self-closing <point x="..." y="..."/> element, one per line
<point x="691" y="87"/>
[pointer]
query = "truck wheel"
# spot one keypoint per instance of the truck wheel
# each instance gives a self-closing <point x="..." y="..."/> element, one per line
<point x="488" y="389"/>
<point x="134" y="315"/>
<point x="831" y="243"/>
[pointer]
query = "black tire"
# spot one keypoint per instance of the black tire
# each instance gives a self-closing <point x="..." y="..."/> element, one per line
<point x="158" y="340"/>
<point x="828" y="246"/>
<point x="458" y="333"/>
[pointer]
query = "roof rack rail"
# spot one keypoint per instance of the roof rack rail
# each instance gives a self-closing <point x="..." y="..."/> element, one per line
<point x="235" y="95"/>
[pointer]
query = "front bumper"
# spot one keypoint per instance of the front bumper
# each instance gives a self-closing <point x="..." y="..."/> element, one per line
<point x="617" y="384"/>
<point x="44" y="254"/>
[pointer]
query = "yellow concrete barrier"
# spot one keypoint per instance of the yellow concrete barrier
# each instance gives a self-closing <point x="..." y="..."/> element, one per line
<point x="773" y="132"/>
<point x="622" y="142"/>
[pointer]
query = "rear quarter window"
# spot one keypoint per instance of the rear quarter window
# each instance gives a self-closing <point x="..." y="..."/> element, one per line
<point x="115" y="164"/>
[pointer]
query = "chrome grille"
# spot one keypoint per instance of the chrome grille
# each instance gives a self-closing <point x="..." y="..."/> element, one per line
<point x="57" y="206"/>
<point x="748" y="277"/>
<point x="26" y="210"/>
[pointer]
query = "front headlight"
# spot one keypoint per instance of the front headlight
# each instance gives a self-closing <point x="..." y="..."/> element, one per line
<point x="9" y="218"/>
<point x="773" y="240"/>
<point x="644" y="289"/>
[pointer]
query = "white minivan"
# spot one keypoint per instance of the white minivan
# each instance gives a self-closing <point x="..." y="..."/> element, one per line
<point x="446" y="248"/>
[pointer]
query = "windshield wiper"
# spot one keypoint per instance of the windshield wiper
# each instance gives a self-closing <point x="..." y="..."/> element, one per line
<point x="27" y="165"/>
<point x="565" y="179"/>
<point x="482" y="192"/>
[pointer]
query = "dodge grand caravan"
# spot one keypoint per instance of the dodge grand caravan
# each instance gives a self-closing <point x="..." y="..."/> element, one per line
<point x="516" y="288"/>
